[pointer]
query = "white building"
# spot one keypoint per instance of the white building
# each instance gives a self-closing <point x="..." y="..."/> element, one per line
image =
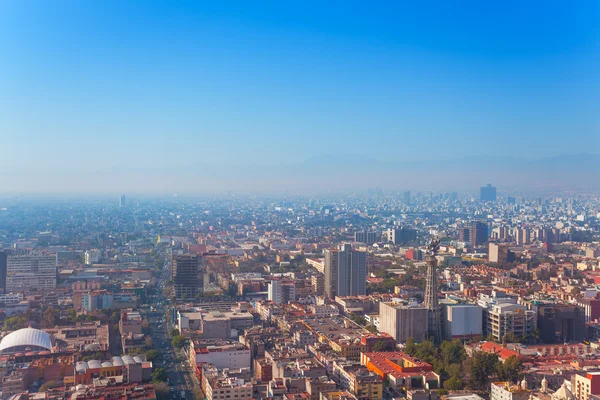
<point x="508" y="391"/>
<point x="461" y="320"/>
<point x="222" y="355"/>
<point x="281" y="292"/>
<point x="91" y="257"/>
<point x="10" y="298"/>
<point x="31" y="272"/>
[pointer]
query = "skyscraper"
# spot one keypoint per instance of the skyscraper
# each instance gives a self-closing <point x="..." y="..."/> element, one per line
<point x="464" y="234"/>
<point x="431" y="292"/>
<point x="407" y="197"/>
<point x="487" y="193"/>
<point x="188" y="276"/>
<point x="478" y="233"/>
<point x="345" y="272"/>
<point x="122" y="201"/>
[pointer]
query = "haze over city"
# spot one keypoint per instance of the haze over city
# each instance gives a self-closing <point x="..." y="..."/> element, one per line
<point x="149" y="97"/>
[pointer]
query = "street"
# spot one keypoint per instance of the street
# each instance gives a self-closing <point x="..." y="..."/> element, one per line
<point x="171" y="360"/>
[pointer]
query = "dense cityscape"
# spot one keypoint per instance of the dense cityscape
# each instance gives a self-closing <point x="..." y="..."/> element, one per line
<point x="299" y="200"/>
<point x="374" y="295"/>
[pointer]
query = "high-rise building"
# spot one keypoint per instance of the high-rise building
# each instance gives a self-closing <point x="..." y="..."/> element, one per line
<point x="487" y="193"/>
<point x="367" y="237"/>
<point x="403" y="321"/>
<point x="431" y="292"/>
<point x="401" y="236"/>
<point x="501" y="315"/>
<point x="561" y="323"/>
<point x="464" y="235"/>
<point x="499" y="253"/>
<point x="34" y="271"/>
<point x="522" y="236"/>
<point x="407" y="197"/>
<point x="3" y="260"/>
<point x="281" y="292"/>
<point x="478" y="233"/>
<point x="188" y="276"/>
<point x="345" y="272"/>
<point x="122" y="201"/>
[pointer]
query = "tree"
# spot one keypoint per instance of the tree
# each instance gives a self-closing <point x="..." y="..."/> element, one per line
<point x="452" y="352"/>
<point x="152" y="355"/>
<point x="482" y="365"/>
<point x="511" y="369"/>
<point x="148" y="341"/>
<point x="174" y="332"/>
<point x="159" y="375"/>
<point x="72" y="315"/>
<point x="455" y="382"/>
<point x="14" y="323"/>
<point x="381" y="345"/>
<point x="410" y="347"/>
<point x="427" y="351"/>
<point x="145" y="326"/>
<point x="162" y="390"/>
<point x="48" y="385"/>
<point x="359" y="319"/>
<point x="178" y="341"/>
<point x="198" y="395"/>
<point x="372" y="328"/>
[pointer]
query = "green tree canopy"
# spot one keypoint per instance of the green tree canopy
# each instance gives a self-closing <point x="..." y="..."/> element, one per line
<point x="178" y="341"/>
<point x="159" y="375"/>
<point x="511" y="369"/>
<point x="152" y="355"/>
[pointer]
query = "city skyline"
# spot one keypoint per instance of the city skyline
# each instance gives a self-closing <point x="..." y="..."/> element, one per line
<point x="128" y="98"/>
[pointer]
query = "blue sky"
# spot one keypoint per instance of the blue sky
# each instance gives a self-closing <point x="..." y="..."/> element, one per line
<point x="109" y="89"/>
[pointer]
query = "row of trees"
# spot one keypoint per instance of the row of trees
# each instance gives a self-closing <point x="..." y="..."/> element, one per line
<point x="457" y="371"/>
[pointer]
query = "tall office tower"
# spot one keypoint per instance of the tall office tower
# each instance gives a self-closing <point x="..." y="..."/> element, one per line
<point x="122" y="201"/>
<point x="407" y="197"/>
<point x="454" y="196"/>
<point x="401" y="236"/>
<point x="34" y="271"/>
<point x="3" y="259"/>
<point x="345" y="272"/>
<point x="188" y="276"/>
<point x="522" y="236"/>
<point x="511" y="200"/>
<point x="464" y="235"/>
<point x="431" y="292"/>
<point x="487" y="193"/>
<point x="330" y="272"/>
<point x="367" y="237"/>
<point x="478" y="233"/>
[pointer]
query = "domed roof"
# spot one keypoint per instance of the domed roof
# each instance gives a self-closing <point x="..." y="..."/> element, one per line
<point x="26" y="337"/>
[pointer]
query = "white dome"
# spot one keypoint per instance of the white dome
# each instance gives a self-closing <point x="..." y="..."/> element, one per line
<point x="26" y="338"/>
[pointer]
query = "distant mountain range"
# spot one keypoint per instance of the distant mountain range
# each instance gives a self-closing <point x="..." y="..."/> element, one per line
<point x="337" y="172"/>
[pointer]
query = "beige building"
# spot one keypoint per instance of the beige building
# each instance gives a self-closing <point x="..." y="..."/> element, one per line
<point x="584" y="387"/>
<point x="403" y="321"/>
<point x="219" y="386"/>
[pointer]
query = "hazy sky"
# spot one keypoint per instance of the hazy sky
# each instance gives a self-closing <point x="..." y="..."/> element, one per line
<point x="125" y="95"/>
